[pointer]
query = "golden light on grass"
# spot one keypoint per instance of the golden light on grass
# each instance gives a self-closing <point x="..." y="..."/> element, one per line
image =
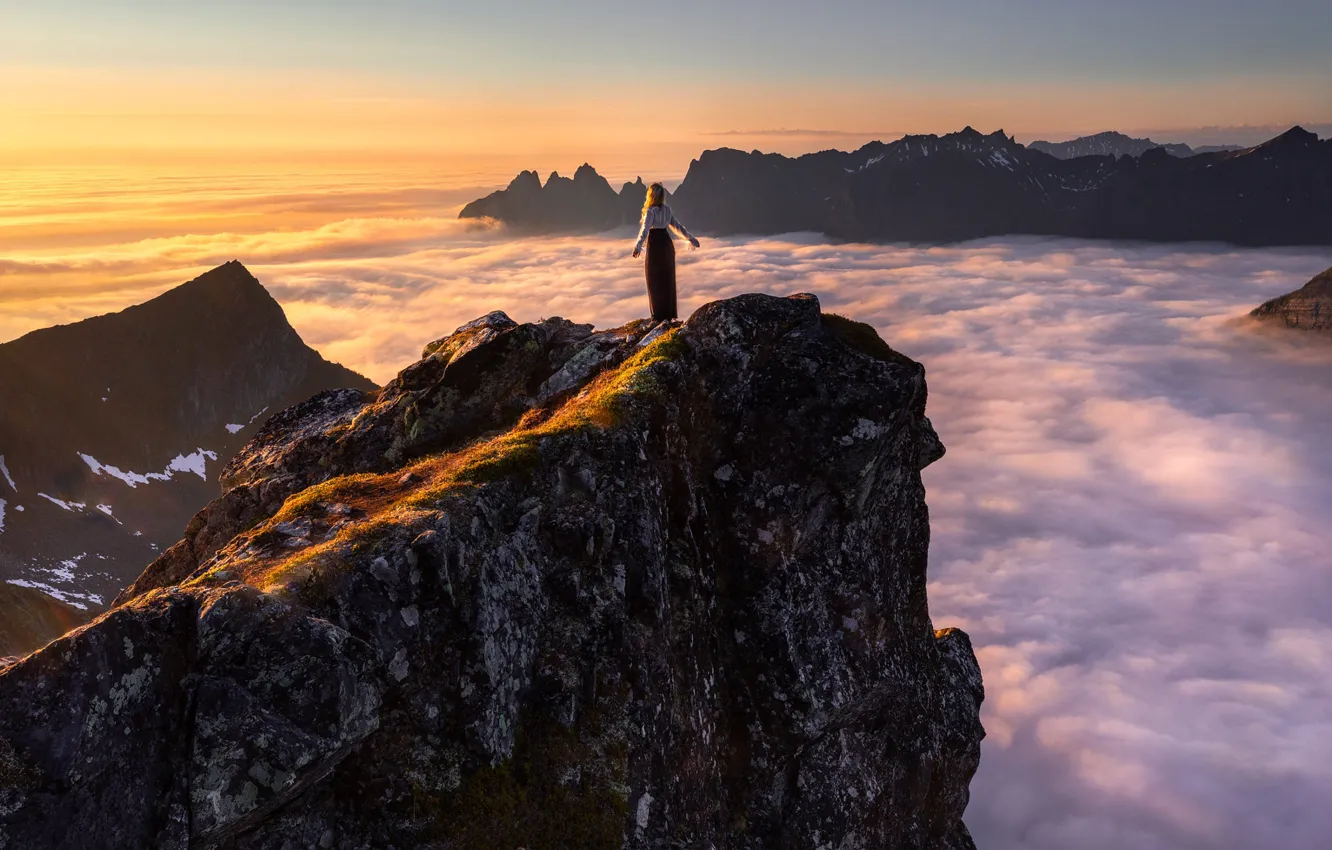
<point x="409" y="498"/>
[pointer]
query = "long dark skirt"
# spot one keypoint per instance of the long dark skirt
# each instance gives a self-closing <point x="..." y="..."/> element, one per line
<point x="660" y="267"/>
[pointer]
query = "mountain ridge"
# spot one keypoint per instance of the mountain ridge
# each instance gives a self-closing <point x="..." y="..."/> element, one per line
<point x="111" y="425"/>
<point x="585" y="201"/>
<point x="1111" y="143"/>
<point x="969" y="185"/>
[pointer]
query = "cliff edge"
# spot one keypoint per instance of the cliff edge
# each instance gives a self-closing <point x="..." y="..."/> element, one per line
<point x="1308" y="308"/>
<point x="548" y="588"/>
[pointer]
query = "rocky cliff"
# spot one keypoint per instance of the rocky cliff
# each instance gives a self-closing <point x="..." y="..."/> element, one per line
<point x="549" y="588"/>
<point x="1308" y="308"/>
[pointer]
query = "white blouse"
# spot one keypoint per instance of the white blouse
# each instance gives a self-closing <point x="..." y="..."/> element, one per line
<point x="659" y="218"/>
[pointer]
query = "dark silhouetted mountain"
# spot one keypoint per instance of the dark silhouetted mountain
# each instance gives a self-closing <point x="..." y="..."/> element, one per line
<point x="1217" y="148"/>
<point x="584" y="202"/>
<point x="1107" y="144"/>
<point x="967" y="185"/>
<point x="114" y="428"/>
<point x="550" y="588"/>
<point x="1308" y="308"/>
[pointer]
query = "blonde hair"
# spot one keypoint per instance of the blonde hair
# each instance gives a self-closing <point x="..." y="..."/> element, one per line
<point x="656" y="197"/>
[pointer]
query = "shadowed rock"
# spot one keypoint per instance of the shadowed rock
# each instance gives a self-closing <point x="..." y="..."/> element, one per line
<point x="1307" y="308"/>
<point x="549" y="588"/>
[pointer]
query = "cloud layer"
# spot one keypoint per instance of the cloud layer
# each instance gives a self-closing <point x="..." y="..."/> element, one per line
<point x="1131" y="521"/>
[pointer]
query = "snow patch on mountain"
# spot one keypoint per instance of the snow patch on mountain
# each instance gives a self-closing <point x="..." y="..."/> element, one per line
<point x="61" y="503"/>
<point x="69" y="597"/>
<point x="133" y="479"/>
<point x="195" y="462"/>
<point x="65" y="572"/>
<point x="4" y="470"/>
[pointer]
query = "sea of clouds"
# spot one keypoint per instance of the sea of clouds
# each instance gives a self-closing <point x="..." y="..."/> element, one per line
<point x="1133" y="520"/>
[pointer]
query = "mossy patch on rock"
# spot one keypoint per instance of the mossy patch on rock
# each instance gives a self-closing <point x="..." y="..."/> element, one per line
<point x="863" y="338"/>
<point x="379" y="503"/>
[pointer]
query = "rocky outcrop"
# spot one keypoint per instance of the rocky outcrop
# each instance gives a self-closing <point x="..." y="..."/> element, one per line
<point x="114" y="428"/>
<point x="585" y="202"/>
<point x="1308" y="308"/>
<point x="549" y="588"/>
<point x="969" y="185"/>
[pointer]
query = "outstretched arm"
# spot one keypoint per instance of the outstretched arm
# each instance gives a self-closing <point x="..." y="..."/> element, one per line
<point x="680" y="229"/>
<point x="642" y="234"/>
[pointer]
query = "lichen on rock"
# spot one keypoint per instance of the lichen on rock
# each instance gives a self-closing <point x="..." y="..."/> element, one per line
<point x="548" y="588"/>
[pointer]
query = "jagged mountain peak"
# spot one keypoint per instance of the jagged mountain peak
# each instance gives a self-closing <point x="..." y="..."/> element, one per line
<point x="542" y="551"/>
<point x="1296" y="136"/>
<point x="114" y="426"/>
<point x="637" y="186"/>
<point x="526" y="181"/>
<point x="586" y="201"/>
<point x="227" y="295"/>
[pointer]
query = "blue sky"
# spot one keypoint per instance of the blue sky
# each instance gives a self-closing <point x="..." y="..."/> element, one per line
<point x="520" y="39"/>
<point x="1035" y="67"/>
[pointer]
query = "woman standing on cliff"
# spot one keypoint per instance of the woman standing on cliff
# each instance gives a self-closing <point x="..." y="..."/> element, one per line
<point x="658" y="222"/>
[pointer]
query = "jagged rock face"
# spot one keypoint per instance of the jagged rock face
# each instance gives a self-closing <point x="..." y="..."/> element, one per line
<point x="584" y="202"/>
<point x="1308" y="308"/>
<point x="617" y="590"/>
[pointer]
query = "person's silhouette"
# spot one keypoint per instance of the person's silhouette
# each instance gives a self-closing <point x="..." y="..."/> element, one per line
<point x="655" y="229"/>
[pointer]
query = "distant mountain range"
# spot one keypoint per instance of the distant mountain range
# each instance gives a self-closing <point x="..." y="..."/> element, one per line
<point x="1117" y="145"/>
<point x="966" y="185"/>
<point x="1308" y="308"/>
<point x="114" y="429"/>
